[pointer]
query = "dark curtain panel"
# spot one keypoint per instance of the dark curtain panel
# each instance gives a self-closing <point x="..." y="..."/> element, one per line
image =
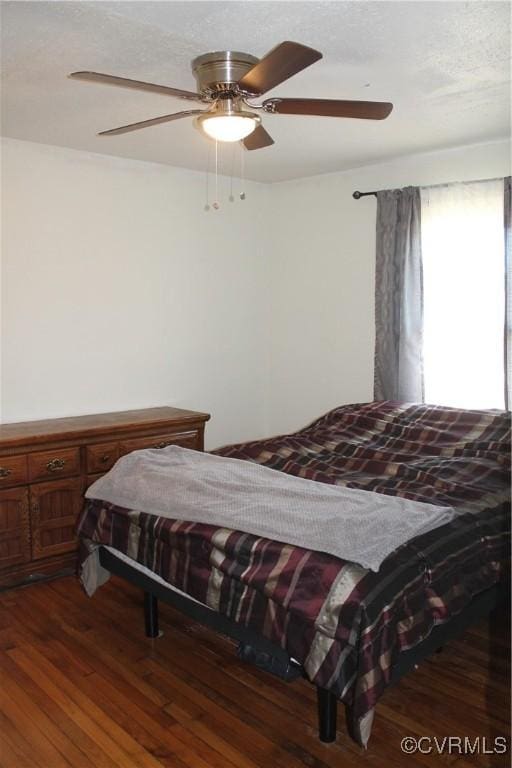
<point x="508" y="293"/>
<point x="399" y="297"/>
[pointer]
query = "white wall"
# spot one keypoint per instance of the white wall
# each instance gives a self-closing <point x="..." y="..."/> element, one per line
<point x="321" y="346"/>
<point x="120" y="292"/>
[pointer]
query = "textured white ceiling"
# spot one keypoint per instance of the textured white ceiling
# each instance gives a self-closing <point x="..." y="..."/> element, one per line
<point x="444" y="65"/>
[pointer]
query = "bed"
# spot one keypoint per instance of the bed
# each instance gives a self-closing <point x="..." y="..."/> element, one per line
<point x="351" y="631"/>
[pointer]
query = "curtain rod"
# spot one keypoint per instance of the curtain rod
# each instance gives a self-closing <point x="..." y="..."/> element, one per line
<point x="356" y="195"/>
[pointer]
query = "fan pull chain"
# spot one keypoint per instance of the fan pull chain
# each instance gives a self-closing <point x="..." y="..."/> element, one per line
<point x="216" y="203"/>
<point x="233" y="156"/>
<point x="217" y="161"/>
<point x="242" y="172"/>
<point x="207" y="203"/>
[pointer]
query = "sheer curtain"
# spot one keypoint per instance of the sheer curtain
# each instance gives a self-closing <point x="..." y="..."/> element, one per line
<point x="463" y="255"/>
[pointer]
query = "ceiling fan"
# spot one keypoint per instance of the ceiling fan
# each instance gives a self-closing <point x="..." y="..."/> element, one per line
<point x="226" y="80"/>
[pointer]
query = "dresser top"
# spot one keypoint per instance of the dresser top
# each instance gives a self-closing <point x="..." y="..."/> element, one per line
<point x="33" y="431"/>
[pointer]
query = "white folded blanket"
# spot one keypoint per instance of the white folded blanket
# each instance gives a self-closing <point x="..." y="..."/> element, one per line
<point x="359" y="526"/>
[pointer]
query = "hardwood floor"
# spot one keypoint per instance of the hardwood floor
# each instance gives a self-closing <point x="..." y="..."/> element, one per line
<point x="81" y="686"/>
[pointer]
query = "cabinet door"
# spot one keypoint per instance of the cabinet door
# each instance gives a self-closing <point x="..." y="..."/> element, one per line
<point x="54" y="508"/>
<point x="14" y="527"/>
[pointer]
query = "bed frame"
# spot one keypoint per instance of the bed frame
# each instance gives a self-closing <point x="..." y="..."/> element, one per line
<point x="258" y="650"/>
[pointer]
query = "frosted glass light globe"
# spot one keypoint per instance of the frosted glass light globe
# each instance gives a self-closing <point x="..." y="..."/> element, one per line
<point x="228" y="127"/>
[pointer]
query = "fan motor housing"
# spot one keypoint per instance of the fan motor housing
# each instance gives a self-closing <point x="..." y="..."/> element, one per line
<point x="220" y="71"/>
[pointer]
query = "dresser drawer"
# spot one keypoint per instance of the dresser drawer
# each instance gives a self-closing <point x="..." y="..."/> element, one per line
<point x="101" y="457"/>
<point x="13" y="471"/>
<point x="185" y="439"/>
<point x="63" y="462"/>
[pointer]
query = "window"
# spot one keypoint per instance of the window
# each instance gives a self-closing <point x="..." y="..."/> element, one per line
<point x="463" y="293"/>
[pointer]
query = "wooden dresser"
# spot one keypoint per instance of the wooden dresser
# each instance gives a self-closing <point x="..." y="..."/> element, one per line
<point x="45" y="467"/>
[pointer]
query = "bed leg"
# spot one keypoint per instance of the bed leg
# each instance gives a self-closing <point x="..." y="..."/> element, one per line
<point x="327" y="708"/>
<point x="151" y="614"/>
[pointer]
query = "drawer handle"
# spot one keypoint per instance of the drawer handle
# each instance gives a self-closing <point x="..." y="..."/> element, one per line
<point x="55" y="465"/>
<point x="104" y="458"/>
<point x="163" y="444"/>
<point x="4" y="472"/>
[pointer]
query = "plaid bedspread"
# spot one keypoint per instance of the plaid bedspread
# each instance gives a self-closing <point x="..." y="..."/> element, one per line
<point x="347" y="625"/>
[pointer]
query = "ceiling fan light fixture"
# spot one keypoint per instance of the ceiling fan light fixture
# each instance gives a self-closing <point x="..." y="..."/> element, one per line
<point x="227" y="122"/>
<point x="228" y="127"/>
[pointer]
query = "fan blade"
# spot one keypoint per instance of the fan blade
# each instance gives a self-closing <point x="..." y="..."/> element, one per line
<point x="258" y="139"/>
<point x="125" y="82"/>
<point x="365" y="110"/>
<point x="153" y="121"/>
<point x="283" y="61"/>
